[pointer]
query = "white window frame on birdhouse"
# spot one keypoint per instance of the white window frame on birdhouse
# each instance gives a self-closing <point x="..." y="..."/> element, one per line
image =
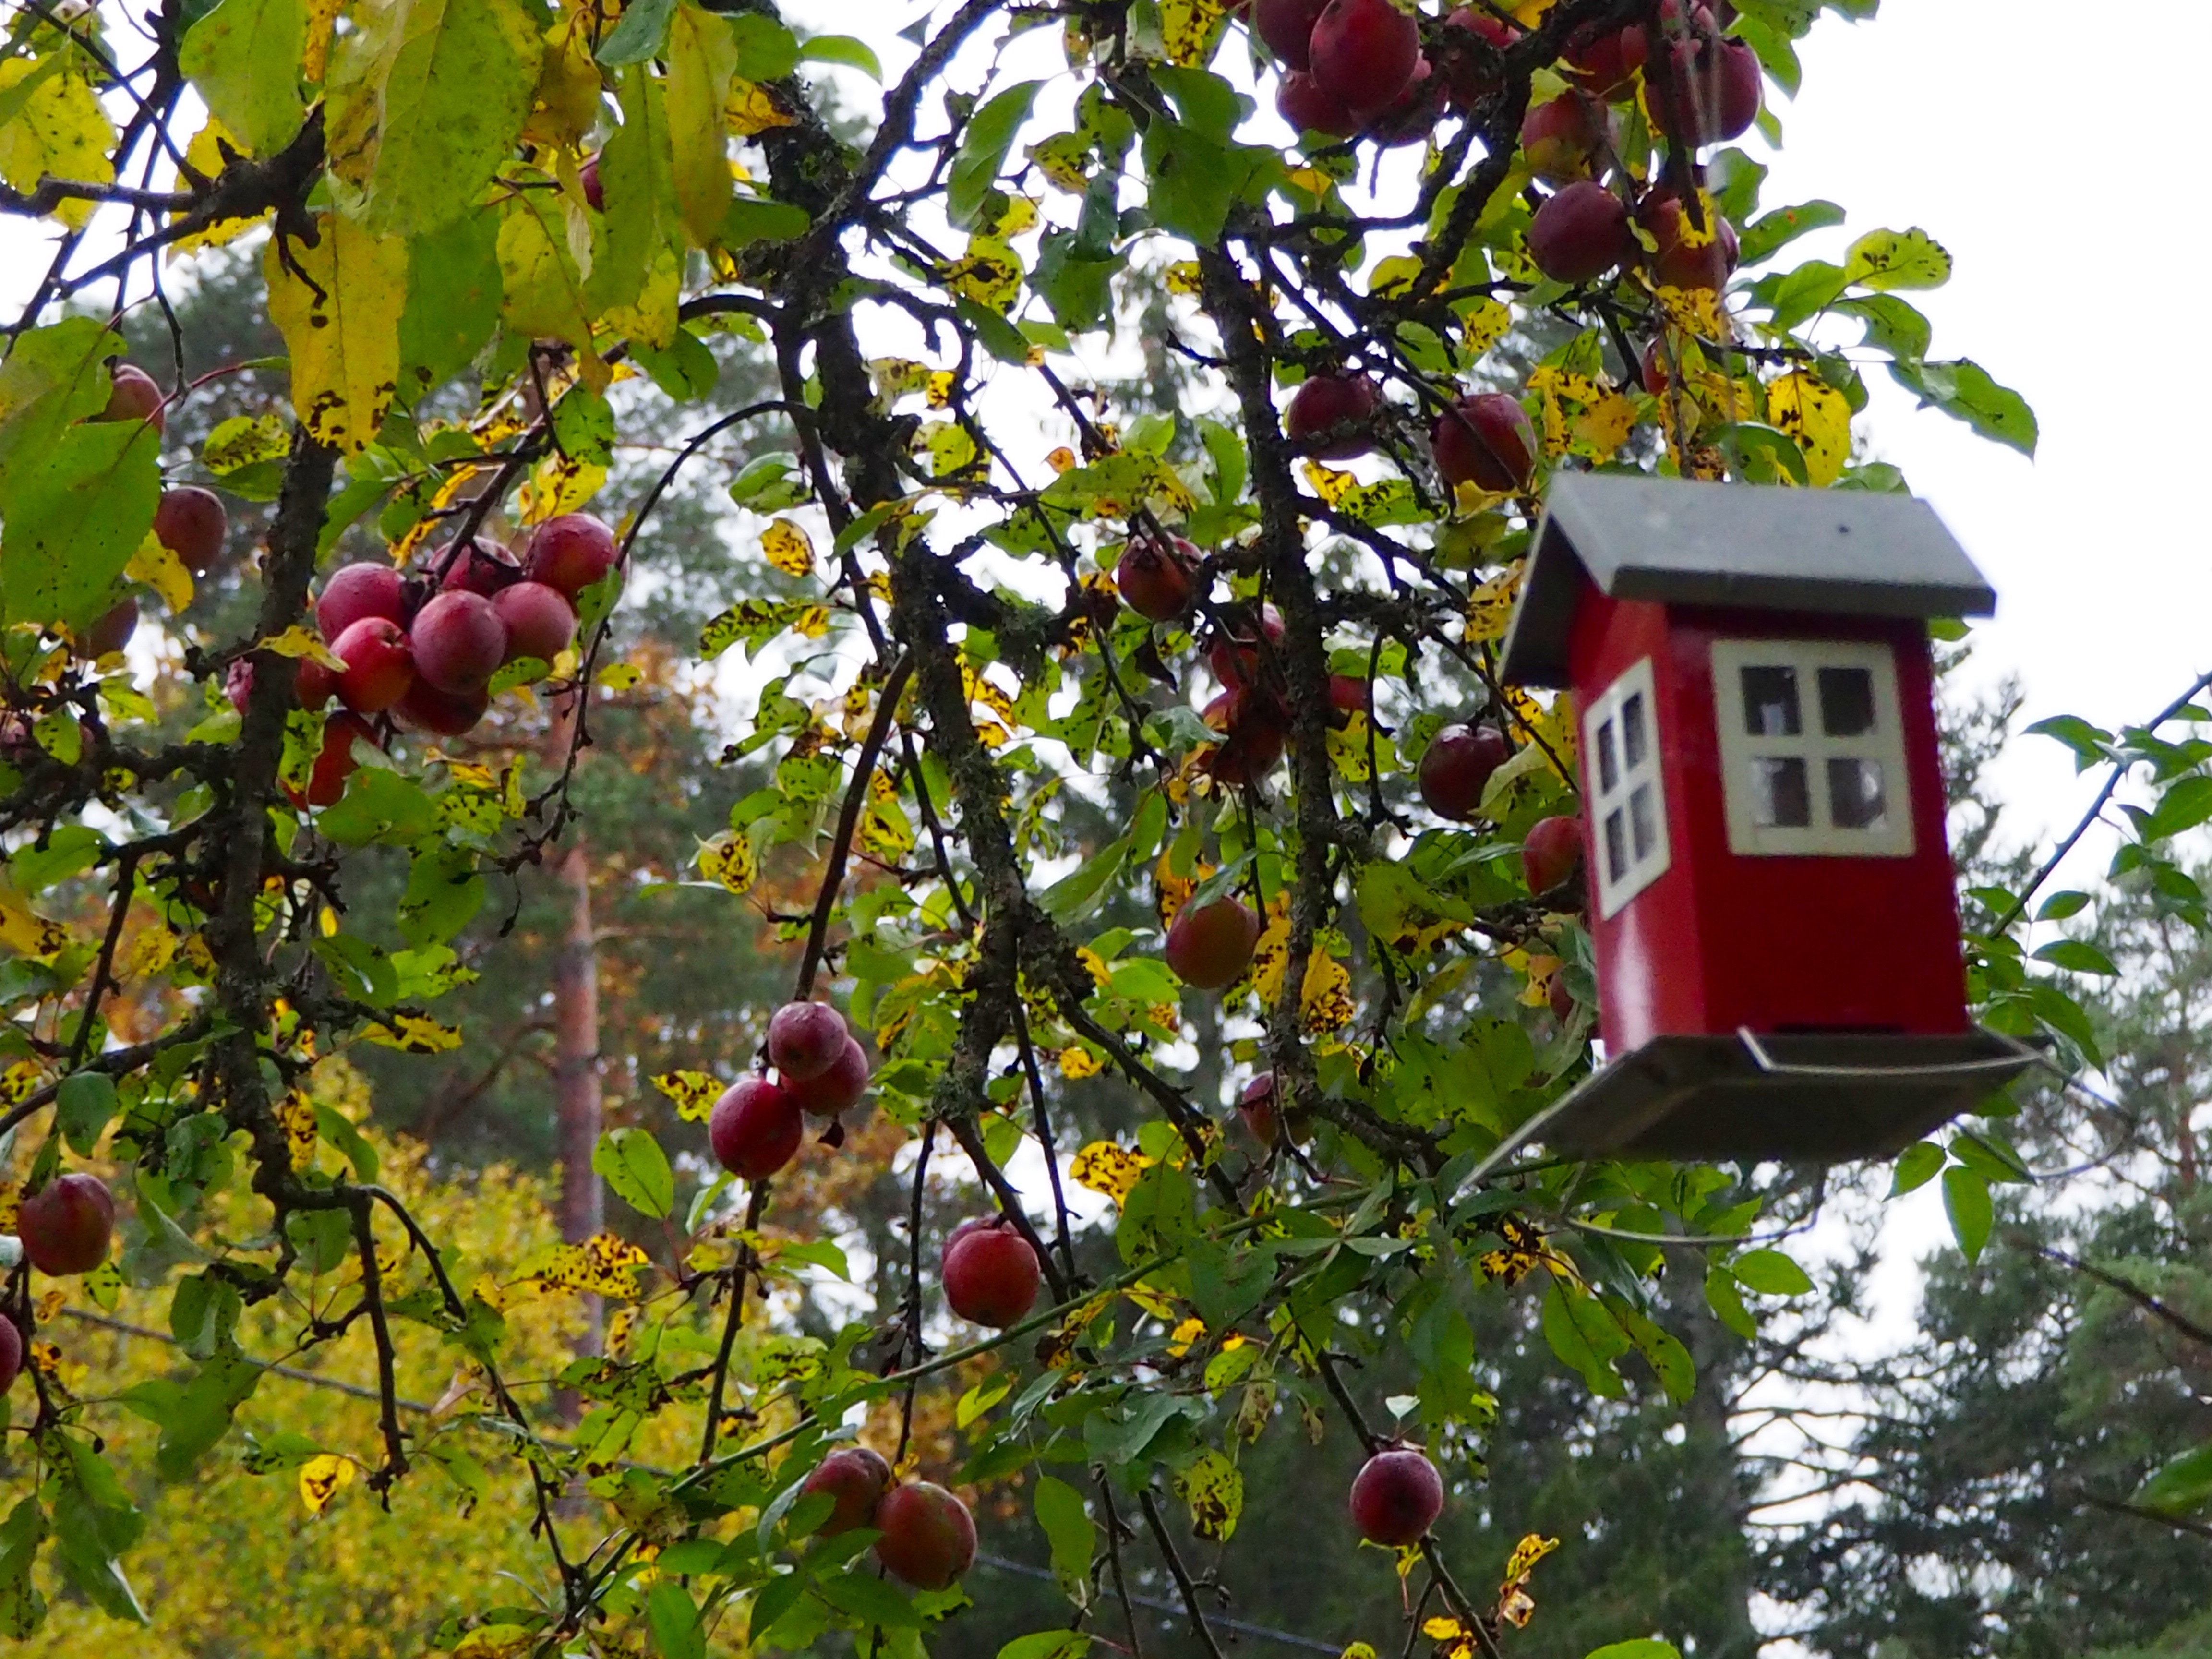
<point x="1627" y="795"/>
<point x="1833" y="724"/>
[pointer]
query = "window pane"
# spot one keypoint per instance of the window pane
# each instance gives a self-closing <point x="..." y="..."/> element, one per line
<point x="1632" y="746"/>
<point x="1642" y="823"/>
<point x="1608" y="772"/>
<point x="1769" y="703"/>
<point x="1779" y="798"/>
<point x="1616" y="846"/>
<point x="1855" y="794"/>
<point x="1846" y="702"/>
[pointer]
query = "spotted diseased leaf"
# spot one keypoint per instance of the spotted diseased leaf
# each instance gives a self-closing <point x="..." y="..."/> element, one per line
<point x="990" y="273"/>
<point x="1819" y="417"/>
<point x="1078" y="1062"/>
<point x="244" y="441"/>
<point x="1213" y="1489"/>
<point x="337" y="305"/>
<point x="693" y="1092"/>
<point x="412" y="1033"/>
<point x="752" y="109"/>
<point x="1886" y="259"/>
<point x="1108" y="1168"/>
<point x="752" y="623"/>
<point x="323" y="1478"/>
<point x="787" y="546"/>
<point x="1191" y="30"/>
<point x="54" y="125"/>
<point x="1490" y="605"/>
<point x="1325" y="999"/>
<point x="729" y="858"/>
<point x="296" y="1116"/>
<point x="606" y="1264"/>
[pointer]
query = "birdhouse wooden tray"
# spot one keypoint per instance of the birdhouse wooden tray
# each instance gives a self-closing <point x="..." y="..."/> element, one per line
<point x="1821" y="1097"/>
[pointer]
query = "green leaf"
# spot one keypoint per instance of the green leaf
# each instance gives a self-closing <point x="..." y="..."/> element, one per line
<point x="1663" y="1351"/>
<point x="1966" y="1201"/>
<point x="638" y="170"/>
<point x="1894" y="327"/>
<point x="868" y="1599"/>
<point x="22" y="1609"/>
<point x="673" y="1618"/>
<point x="1989" y="1156"/>
<point x="72" y="512"/>
<point x="1725" y="1297"/>
<point x="638" y="37"/>
<point x="844" y="49"/>
<point x="1048" y="1644"/>
<point x="751" y="219"/>
<point x="1886" y="259"/>
<point x="702" y="56"/>
<point x="83" y="1107"/>
<point x="1770" y="1272"/>
<point x="990" y="133"/>
<point x="2077" y="956"/>
<point x="1769" y="233"/>
<point x="244" y="57"/>
<point x="1644" y="1648"/>
<point x="2090" y="744"/>
<point x="1582" y="1335"/>
<point x="2059" y="907"/>
<point x="2183" y="1486"/>
<point x="1067" y="1527"/>
<point x="438" y="89"/>
<point x="1965" y="391"/>
<point x="1193" y="180"/>
<point x="766" y="50"/>
<point x="685" y="370"/>
<point x="1803" y="293"/>
<point x="2185" y="804"/>
<point x="452" y="302"/>
<point x="1916" y="1167"/>
<point x="637" y="1167"/>
<point x="379" y="805"/>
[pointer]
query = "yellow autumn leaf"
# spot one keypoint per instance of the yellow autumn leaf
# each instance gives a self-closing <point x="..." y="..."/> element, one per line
<point x="1107" y="1169"/>
<point x="297" y="642"/>
<point x="163" y="571"/>
<point x="321" y="1479"/>
<point x="1490" y="606"/>
<point x="605" y="1264"/>
<point x="1819" y="417"/>
<point x="990" y="273"/>
<point x="1190" y="29"/>
<point x="694" y="1093"/>
<point x="789" y="547"/>
<point x="56" y="125"/>
<point x="1325" y="999"/>
<point x="412" y="1034"/>
<point x="559" y="484"/>
<point x="702" y="59"/>
<point x="729" y="858"/>
<point x="750" y="108"/>
<point x="1077" y="1062"/>
<point x="337" y="306"/>
<point x="1185" y="1336"/>
<point x="23" y="932"/>
<point x="1214" y="1490"/>
<point x="204" y="152"/>
<point x="296" y="1116"/>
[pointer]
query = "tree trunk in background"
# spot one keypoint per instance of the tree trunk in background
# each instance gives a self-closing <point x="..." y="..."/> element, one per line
<point x="576" y="1065"/>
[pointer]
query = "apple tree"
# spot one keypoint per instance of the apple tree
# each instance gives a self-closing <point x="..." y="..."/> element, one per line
<point x="1127" y="750"/>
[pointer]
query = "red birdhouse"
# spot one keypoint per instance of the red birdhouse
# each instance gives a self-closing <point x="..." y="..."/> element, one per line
<point x="1771" y="893"/>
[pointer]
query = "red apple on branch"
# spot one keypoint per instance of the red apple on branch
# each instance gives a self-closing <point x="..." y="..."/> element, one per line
<point x="928" y="1536"/>
<point x="1333" y="416"/>
<point x="856" y="1479"/>
<point x="1209" y="946"/>
<point x="991" y="1275"/>
<point x="1552" y="853"/>
<point x="1396" y="1497"/>
<point x="66" y="1225"/>
<point x="359" y="591"/>
<point x="1364" y="53"/>
<point x="1580" y="233"/>
<point x="755" y="1128"/>
<point x="192" y="524"/>
<point x="1456" y="769"/>
<point x="1486" y="440"/>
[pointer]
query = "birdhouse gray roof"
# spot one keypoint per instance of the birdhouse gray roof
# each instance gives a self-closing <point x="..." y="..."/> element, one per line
<point x="1844" y="552"/>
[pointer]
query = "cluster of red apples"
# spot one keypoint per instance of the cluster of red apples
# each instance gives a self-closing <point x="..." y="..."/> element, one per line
<point x="925" y="1535"/>
<point x="1366" y="69"/>
<point x="1211" y="945"/>
<point x="421" y="648"/>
